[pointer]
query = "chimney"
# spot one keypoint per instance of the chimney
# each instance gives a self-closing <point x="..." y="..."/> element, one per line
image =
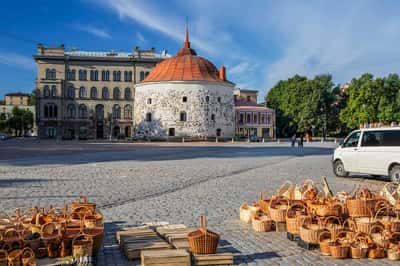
<point x="222" y="74"/>
<point x="40" y="48"/>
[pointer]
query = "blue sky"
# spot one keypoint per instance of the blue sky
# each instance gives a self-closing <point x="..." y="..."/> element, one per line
<point x="259" y="41"/>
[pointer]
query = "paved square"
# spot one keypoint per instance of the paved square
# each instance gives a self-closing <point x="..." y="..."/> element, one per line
<point x="136" y="183"/>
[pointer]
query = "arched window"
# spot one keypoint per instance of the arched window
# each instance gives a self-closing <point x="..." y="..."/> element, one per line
<point x="149" y="101"/>
<point x="116" y="93"/>
<point x="104" y="93"/>
<point x="53" y="91"/>
<point x="213" y="117"/>
<point x="183" y="116"/>
<point x="48" y="73"/>
<point x="99" y="112"/>
<point x="82" y="111"/>
<point x="116" y="114"/>
<point x="82" y="75"/>
<point x="108" y="75"/>
<point x="93" y="93"/>
<point x="128" y="75"/>
<point x="142" y="75"/>
<point x="71" y="92"/>
<point x="128" y="94"/>
<point x="71" y="110"/>
<point x="46" y="92"/>
<point x="82" y="92"/>
<point x="128" y="111"/>
<point x="73" y="72"/>
<point x="219" y="99"/>
<point x="125" y="75"/>
<point x="148" y="117"/>
<point x="207" y="99"/>
<point x="53" y="74"/>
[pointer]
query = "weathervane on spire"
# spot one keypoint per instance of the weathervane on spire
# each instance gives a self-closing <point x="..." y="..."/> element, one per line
<point x="187" y="43"/>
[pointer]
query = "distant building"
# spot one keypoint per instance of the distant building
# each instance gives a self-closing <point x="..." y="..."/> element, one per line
<point x="253" y="119"/>
<point x="85" y="94"/>
<point x="17" y="99"/>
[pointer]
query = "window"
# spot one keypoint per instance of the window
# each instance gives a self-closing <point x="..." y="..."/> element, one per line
<point x="207" y="99"/>
<point x="70" y="74"/>
<point x="381" y="138"/>
<point x="218" y="132"/>
<point x="219" y="99"/>
<point x="128" y="75"/>
<point x="241" y="118"/>
<point x="248" y="98"/>
<point x="99" y="112"/>
<point x="50" y="110"/>
<point x="255" y="120"/>
<point x="82" y="74"/>
<point x="53" y="74"/>
<point x="46" y="92"/>
<point x="184" y="99"/>
<point x="352" y="140"/>
<point x="94" y="75"/>
<point x="117" y="75"/>
<point x="183" y="116"/>
<point x="71" y="110"/>
<point x="142" y="75"/>
<point x="82" y="92"/>
<point x="128" y="94"/>
<point x="213" y="117"/>
<point x="71" y="92"/>
<point x="82" y="111"/>
<point x="104" y="93"/>
<point x="148" y="117"/>
<point x="51" y="132"/>
<point x="93" y="93"/>
<point x="269" y="118"/>
<point x="116" y="93"/>
<point x="248" y="118"/>
<point x="116" y="114"/>
<point x="128" y="112"/>
<point x="48" y="74"/>
<point x="171" y="132"/>
<point x="53" y="91"/>
<point x="149" y="101"/>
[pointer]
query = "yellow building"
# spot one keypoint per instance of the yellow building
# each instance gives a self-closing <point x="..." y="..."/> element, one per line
<point x="17" y="99"/>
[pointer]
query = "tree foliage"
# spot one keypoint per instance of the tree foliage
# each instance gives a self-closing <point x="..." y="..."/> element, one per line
<point x="20" y="121"/>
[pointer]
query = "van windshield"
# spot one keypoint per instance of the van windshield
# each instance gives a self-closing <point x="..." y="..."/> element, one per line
<point x="352" y="140"/>
<point x="381" y="138"/>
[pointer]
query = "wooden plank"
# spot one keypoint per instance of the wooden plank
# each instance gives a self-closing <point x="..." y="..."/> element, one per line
<point x="213" y="259"/>
<point x="165" y="258"/>
<point x="217" y="262"/>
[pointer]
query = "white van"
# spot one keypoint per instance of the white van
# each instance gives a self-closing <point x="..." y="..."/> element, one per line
<point x="373" y="151"/>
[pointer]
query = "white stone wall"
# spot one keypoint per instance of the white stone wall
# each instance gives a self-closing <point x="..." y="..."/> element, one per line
<point x="167" y="104"/>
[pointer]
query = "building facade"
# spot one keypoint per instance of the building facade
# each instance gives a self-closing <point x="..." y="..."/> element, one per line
<point x="253" y="119"/>
<point x="185" y="96"/>
<point x="17" y="99"/>
<point x="88" y="95"/>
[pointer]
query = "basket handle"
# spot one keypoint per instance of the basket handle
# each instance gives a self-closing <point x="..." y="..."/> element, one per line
<point x="81" y="234"/>
<point x="332" y="218"/>
<point x="295" y="205"/>
<point x="388" y="208"/>
<point x="325" y="232"/>
<point x="8" y="231"/>
<point x="29" y="251"/>
<point x="203" y="222"/>
<point x="351" y="223"/>
<point x="380" y="227"/>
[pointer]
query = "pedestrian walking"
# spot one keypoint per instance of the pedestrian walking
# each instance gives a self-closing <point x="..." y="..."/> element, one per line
<point x="293" y="139"/>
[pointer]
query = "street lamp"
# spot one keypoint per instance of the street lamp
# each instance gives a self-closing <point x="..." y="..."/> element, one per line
<point x="324" y="124"/>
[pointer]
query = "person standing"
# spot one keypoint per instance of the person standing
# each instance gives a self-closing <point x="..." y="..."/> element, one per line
<point x="293" y="139"/>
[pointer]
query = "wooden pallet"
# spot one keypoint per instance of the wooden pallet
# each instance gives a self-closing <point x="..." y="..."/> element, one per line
<point x="292" y="237"/>
<point x="213" y="259"/>
<point x="309" y="246"/>
<point x="165" y="258"/>
<point x="176" y="236"/>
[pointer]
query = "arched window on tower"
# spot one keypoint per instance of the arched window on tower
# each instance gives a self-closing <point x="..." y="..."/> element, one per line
<point x="182" y="116"/>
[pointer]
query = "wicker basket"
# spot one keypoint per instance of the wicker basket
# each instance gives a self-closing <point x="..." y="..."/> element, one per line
<point x="324" y="239"/>
<point x="294" y="216"/>
<point x="33" y="241"/>
<point x="334" y="225"/>
<point x="27" y="256"/>
<point x="391" y="220"/>
<point x="300" y="190"/>
<point x="278" y="208"/>
<point x="339" y="250"/>
<point x="14" y="257"/>
<point x="378" y="236"/>
<point x="83" y="202"/>
<point x="247" y="212"/>
<point x="376" y="252"/>
<point x="261" y="223"/>
<point x="326" y="208"/>
<point x="309" y="231"/>
<point x="82" y="246"/>
<point x="49" y="232"/>
<point x="203" y="241"/>
<point x="364" y="224"/>
<point x="286" y="190"/>
<point x="363" y="204"/>
<point x="263" y="203"/>
<point x="97" y="234"/>
<point x="391" y="192"/>
<point x="3" y="258"/>
<point x="359" y="246"/>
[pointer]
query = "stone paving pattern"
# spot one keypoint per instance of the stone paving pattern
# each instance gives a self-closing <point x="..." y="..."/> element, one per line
<point x="136" y="183"/>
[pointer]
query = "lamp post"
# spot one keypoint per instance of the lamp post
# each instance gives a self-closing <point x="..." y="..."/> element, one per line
<point x="324" y="123"/>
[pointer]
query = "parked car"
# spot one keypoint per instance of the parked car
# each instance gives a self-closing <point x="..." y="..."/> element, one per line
<point x="3" y="136"/>
<point x="254" y="138"/>
<point x="373" y="151"/>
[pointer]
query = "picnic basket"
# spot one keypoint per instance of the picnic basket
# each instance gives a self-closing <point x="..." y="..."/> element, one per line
<point x="294" y="217"/>
<point x="309" y="230"/>
<point x="324" y="239"/>
<point x="83" y="202"/>
<point x="334" y="225"/>
<point x="362" y="204"/>
<point x="247" y="212"/>
<point x="359" y="246"/>
<point x="203" y="241"/>
<point x="261" y="223"/>
<point x="3" y="258"/>
<point x="376" y="252"/>
<point x="82" y="246"/>
<point x="339" y="249"/>
<point x="278" y="208"/>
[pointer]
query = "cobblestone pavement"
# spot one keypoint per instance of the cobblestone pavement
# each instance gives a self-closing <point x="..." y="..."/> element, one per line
<point x="136" y="183"/>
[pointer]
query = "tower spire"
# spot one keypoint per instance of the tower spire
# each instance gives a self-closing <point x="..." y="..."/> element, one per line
<point x="187" y="43"/>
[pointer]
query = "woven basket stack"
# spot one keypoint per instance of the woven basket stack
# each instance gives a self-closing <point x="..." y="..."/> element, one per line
<point x="359" y="224"/>
<point x="35" y="233"/>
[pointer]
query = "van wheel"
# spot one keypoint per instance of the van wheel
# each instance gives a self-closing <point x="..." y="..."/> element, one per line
<point x="394" y="173"/>
<point x="338" y="169"/>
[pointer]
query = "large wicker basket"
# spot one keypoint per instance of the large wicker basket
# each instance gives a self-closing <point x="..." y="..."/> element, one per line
<point x="3" y="258"/>
<point x="363" y="204"/>
<point x="309" y="230"/>
<point x="83" y="202"/>
<point x="334" y="225"/>
<point x="339" y="250"/>
<point x="359" y="246"/>
<point x="324" y="239"/>
<point x="294" y="217"/>
<point x="247" y="212"/>
<point x="278" y="208"/>
<point x="261" y="223"/>
<point x="326" y="208"/>
<point x="203" y="241"/>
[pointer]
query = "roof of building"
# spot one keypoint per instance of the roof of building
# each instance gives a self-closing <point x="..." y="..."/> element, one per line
<point x="113" y="54"/>
<point x="17" y="94"/>
<point x="246" y="105"/>
<point x="185" y="66"/>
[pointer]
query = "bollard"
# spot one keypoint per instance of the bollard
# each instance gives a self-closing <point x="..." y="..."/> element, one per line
<point x="278" y="141"/>
<point x="183" y="139"/>
<point x="216" y="139"/>
<point x="233" y="140"/>
<point x="248" y="140"/>
<point x="322" y="140"/>
<point x="335" y="140"/>
<point x="263" y="140"/>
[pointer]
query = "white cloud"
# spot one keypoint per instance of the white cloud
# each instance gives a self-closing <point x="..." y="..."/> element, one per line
<point x="98" y="32"/>
<point x="17" y="60"/>
<point x="140" y="37"/>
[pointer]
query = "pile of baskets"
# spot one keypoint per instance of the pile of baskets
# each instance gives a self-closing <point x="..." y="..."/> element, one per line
<point x="76" y="230"/>
<point x="359" y="224"/>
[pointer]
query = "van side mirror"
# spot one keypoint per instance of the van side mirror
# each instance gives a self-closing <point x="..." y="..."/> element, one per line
<point x="341" y="142"/>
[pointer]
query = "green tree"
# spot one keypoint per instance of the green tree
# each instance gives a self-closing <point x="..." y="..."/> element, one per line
<point x="3" y="122"/>
<point x="20" y="121"/>
<point x="32" y="98"/>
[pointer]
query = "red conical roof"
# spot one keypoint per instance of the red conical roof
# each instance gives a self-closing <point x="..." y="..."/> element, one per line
<point x="185" y="66"/>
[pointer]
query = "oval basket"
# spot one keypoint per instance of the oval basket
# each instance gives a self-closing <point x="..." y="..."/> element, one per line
<point x="247" y="212"/>
<point x="324" y="239"/>
<point x="262" y="223"/>
<point x="278" y="208"/>
<point x="294" y="216"/>
<point x="83" y="202"/>
<point x="309" y="231"/>
<point x="82" y="246"/>
<point x="3" y="258"/>
<point x="203" y="241"/>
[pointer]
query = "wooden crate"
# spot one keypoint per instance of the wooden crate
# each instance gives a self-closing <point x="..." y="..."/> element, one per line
<point x="213" y="259"/>
<point x="165" y="258"/>
<point x="176" y="235"/>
